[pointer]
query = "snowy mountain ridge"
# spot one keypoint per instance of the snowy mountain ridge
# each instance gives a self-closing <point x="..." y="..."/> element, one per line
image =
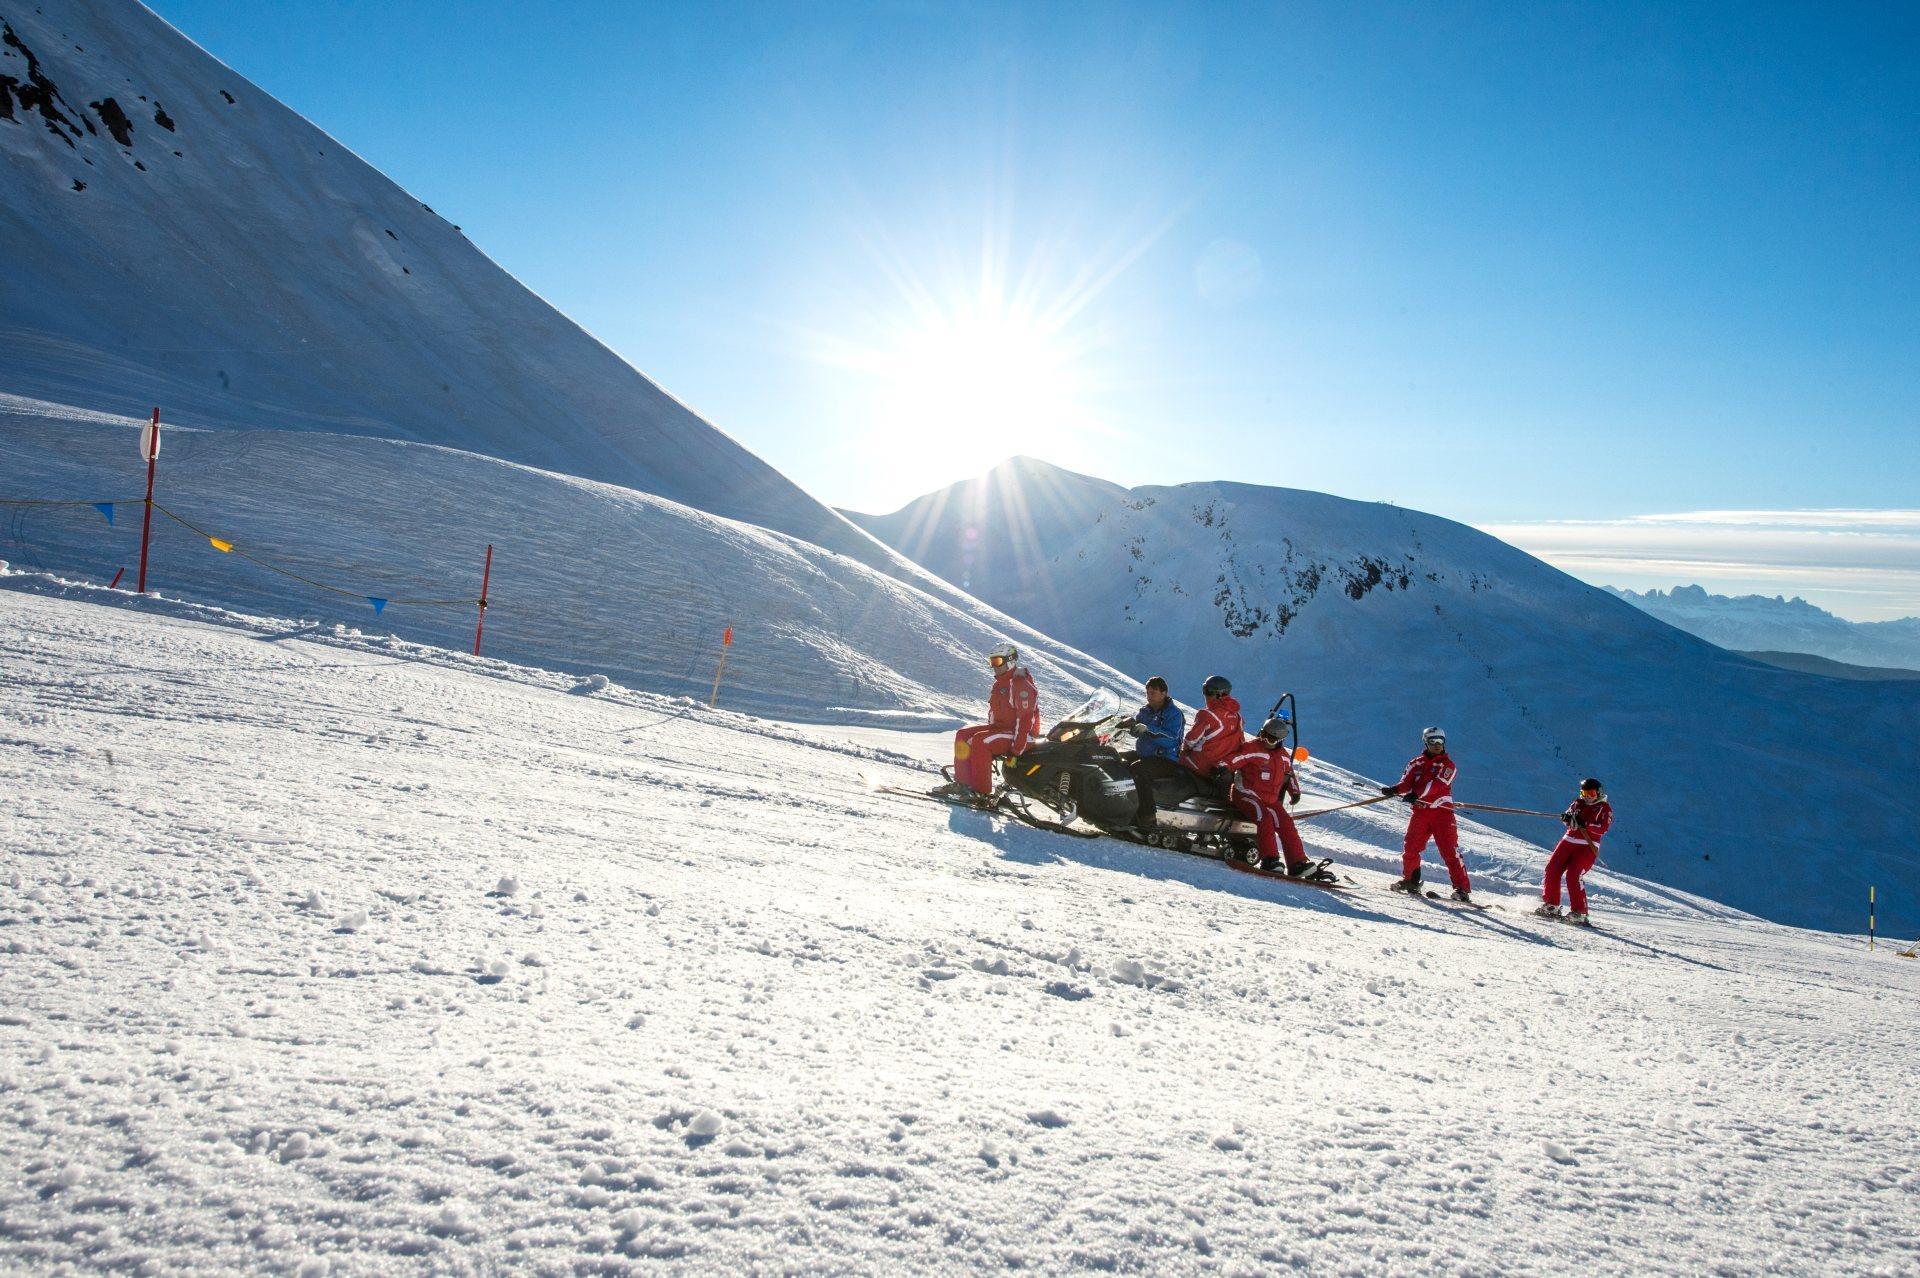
<point x="1747" y="623"/>
<point x="175" y="236"/>
<point x="348" y="367"/>
<point x="1382" y="620"/>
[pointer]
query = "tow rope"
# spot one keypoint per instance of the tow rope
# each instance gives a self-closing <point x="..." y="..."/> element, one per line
<point x="1357" y="803"/>
<point x="1488" y="807"/>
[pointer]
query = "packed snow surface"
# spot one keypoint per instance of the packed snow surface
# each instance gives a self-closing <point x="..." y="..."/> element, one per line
<point x="328" y="954"/>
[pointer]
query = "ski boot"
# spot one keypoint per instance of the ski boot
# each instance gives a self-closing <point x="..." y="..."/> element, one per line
<point x="1311" y="872"/>
<point x="1545" y="911"/>
<point x="1410" y="885"/>
<point x="952" y="790"/>
<point x="1463" y="896"/>
<point x="1271" y="864"/>
<point x="1578" y="919"/>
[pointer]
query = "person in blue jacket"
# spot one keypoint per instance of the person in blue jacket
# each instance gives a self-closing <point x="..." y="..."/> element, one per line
<point x="1157" y="728"/>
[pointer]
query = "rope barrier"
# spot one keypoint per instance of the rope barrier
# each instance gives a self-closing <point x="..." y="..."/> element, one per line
<point x="227" y="547"/>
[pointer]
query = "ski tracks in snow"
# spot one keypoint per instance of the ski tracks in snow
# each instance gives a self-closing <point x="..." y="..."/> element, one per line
<point x="321" y="961"/>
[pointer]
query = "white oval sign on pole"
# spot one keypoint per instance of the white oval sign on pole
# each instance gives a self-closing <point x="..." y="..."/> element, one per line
<point x="149" y="441"/>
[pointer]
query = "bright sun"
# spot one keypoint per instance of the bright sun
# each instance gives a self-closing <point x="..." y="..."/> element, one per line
<point x="983" y="369"/>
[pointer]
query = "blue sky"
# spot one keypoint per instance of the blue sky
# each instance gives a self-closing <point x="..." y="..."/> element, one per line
<point x="1551" y="269"/>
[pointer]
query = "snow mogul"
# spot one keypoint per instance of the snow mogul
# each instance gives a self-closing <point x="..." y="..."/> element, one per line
<point x="1013" y="721"/>
<point x="1587" y="818"/>
<point x="1428" y="785"/>
<point x="1190" y="771"/>
<point x="1263" y="773"/>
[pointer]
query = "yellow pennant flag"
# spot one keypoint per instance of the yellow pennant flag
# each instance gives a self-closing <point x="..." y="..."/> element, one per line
<point x="224" y="547"/>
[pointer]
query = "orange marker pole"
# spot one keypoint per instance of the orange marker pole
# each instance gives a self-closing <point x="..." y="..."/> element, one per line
<point x="726" y="642"/>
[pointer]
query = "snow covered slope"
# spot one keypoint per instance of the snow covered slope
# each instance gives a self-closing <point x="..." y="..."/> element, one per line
<point x="169" y="234"/>
<point x="1747" y="623"/>
<point x="587" y="577"/>
<point x="330" y="956"/>
<point x="1780" y="792"/>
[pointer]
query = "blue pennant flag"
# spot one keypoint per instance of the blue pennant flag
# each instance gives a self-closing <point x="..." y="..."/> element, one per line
<point x="105" y="508"/>
<point x="379" y="605"/>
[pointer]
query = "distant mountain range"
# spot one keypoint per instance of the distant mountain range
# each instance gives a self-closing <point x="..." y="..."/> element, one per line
<point x="1771" y="624"/>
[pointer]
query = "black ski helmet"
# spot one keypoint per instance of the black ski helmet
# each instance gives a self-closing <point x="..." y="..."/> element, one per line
<point x="1593" y="784"/>
<point x="1216" y="686"/>
<point x="1275" y="730"/>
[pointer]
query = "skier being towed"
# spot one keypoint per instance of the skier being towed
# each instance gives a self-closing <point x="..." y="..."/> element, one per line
<point x="1213" y="738"/>
<point x="1262" y="772"/>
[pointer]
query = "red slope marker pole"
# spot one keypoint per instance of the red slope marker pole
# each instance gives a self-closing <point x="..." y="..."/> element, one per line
<point x="115" y="583"/>
<point x="149" y="449"/>
<point x="1870" y="918"/>
<point x="486" y="576"/>
<point x="726" y="642"/>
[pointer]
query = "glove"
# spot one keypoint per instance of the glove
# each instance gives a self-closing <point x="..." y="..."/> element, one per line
<point x="1137" y="728"/>
<point x="1566" y="818"/>
<point x="1293" y="800"/>
<point x="1389" y="790"/>
<point x="1580" y="823"/>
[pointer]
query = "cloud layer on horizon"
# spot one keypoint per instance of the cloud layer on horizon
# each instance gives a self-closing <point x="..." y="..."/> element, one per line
<point x="1861" y="564"/>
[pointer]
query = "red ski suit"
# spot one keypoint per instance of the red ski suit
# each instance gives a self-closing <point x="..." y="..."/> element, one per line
<point x="1576" y="852"/>
<point x="1261" y="773"/>
<point x="1013" y="720"/>
<point x="1429" y="779"/>
<point x="1214" y="736"/>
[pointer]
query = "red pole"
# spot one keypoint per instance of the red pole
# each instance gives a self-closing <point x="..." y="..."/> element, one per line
<point x="115" y="583"/>
<point x="151" y="447"/>
<point x="486" y="575"/>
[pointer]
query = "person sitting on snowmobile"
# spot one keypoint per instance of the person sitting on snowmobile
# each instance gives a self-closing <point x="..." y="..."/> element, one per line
<point x="1158" y="725"/>
<point x="1428" y="785"/>
<point x="1587" y="818"/>
<point x="1262" y="772"/>
<point x="1013" y="721"/>
<point x="1215" y="734"/>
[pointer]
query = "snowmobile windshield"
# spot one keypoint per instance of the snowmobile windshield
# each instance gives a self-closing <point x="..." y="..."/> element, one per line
<point x="1090" y="718"/>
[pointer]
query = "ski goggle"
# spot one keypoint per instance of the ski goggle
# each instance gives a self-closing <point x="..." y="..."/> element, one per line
<point x="1590" y="790"/>
<point x="996" y="661"/>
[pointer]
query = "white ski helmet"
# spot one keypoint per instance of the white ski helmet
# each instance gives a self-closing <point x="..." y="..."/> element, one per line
<point x="1004" y="656"/>
<point x="1432" y="736"/>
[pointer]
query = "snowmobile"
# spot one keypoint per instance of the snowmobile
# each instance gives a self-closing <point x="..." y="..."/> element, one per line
<point x="1078" y="774"/>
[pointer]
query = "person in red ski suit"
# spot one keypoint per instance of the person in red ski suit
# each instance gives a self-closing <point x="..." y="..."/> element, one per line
<point x="1216" y="732"/>
<point x="1263" y="772"/>
<point x="1013" y="721"/>
<point x="1588" y="818"/>
<point x="1215" y="735"/>
<point x="1428" y="785"/>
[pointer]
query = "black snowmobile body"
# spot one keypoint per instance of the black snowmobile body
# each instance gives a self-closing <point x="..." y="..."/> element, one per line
<point x="1077" y="773"/>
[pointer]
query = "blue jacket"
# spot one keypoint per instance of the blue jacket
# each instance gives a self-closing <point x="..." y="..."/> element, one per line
<point x="1165" y="727"/>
